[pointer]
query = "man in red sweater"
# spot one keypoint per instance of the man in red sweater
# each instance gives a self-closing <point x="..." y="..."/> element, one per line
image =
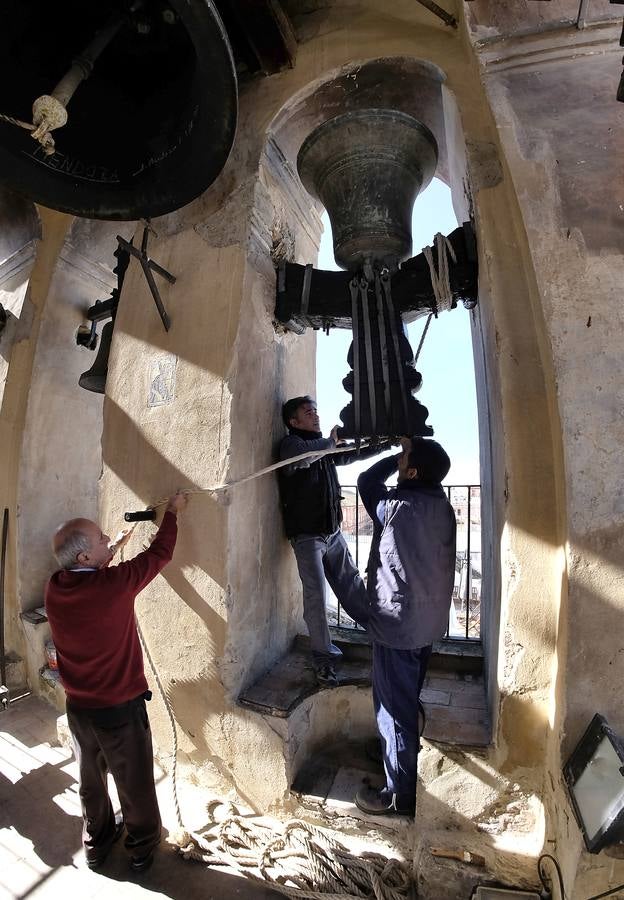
<point x="90" y="607"/>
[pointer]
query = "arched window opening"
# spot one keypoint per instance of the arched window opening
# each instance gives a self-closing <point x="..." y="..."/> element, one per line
<point x="448" y="391"/>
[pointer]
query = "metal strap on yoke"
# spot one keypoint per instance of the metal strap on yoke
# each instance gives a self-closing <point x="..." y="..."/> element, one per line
<point x="305" y="290"/>
<point x="355" y="324"/>
<point x="387" y="291"/>
<point x="383" y="346"/>
<point x="368" y="347"/>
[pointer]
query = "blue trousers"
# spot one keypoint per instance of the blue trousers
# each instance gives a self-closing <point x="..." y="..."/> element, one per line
<point x="398" y="677"/>
<point x="320" y="557"/>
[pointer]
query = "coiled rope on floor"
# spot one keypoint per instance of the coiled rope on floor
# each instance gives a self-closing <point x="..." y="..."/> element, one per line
<point x="300" y="861"/>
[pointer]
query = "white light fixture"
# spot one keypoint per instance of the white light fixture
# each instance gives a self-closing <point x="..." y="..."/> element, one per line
<point x="594" y="775"/>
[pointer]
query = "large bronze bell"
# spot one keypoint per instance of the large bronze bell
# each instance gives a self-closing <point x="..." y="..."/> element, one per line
<point x="367" y="167"/>
<point x="150" y="94"/>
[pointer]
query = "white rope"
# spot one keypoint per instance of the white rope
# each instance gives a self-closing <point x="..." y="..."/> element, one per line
<point x="48" y="114"/>
<point x="440" y="280"/>
<point x="312" y="454"/>
<point x="298" y="860"/>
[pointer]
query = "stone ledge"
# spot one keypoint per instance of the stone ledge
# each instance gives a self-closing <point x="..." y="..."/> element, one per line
<point x="454" y="655"/>
<point x="292" y="679"/>
<point x="455" y="703"/>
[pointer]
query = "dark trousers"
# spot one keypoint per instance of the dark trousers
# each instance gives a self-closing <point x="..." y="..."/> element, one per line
<point x="116" y="740"/>
<point x="398" y="677"/>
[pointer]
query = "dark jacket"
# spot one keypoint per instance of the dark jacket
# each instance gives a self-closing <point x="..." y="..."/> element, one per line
<point x="411" y="567"/>
<point x="309" y="489"/>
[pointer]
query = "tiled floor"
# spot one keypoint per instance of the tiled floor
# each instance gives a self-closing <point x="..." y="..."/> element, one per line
<point x="40" y="825"/>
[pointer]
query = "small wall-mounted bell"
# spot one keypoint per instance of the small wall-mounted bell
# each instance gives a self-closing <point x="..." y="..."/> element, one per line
<point x="94" y="379"/>
<point x="151" y="112"/>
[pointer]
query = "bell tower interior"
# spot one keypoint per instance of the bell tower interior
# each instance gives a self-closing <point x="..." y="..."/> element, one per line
<point x="193" y="117"/>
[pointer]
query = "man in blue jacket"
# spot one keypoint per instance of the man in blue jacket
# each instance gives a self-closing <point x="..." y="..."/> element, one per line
<point x="411" y="570"/>
<point x="311" y="507"/>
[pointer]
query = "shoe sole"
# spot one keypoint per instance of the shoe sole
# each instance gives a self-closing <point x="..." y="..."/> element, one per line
<point x="142" y="866"/>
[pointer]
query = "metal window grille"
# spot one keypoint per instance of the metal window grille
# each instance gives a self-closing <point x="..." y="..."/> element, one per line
<point x="465" y="611"/>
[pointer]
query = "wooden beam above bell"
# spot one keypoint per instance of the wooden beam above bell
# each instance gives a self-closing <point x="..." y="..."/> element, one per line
<point x="261" y="34"/>
<point x="322" y="299"/>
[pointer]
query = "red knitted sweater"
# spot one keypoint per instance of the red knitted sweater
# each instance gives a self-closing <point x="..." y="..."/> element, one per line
<point x="91" y="617"/>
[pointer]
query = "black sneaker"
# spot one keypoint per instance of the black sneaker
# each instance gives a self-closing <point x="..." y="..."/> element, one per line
<point x="382" y="803"/>
<point x="96" y="858"/>
<point x="141" y="863"/>
<point x="326" y="676"/>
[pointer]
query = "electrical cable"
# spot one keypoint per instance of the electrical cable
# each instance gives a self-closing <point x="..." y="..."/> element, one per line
<point x="620" y="887"/>
<point x="543" y="877"/>
<point x="548" y="886"/>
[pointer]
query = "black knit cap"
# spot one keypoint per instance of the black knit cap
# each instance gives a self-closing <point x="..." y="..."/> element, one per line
<point x="431" y="460"/>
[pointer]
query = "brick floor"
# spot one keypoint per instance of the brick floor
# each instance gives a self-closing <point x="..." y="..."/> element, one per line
<point x="40" y="825"/>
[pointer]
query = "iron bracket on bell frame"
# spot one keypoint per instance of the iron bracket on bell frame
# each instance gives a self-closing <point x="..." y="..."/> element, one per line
<point x="147" y="265"/>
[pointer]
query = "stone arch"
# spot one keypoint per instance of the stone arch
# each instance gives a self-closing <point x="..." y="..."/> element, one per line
<point x="508" y="325"/>
<point x="412" y="85"/>
<point x="20" y="229"/>
<point x="227" y="607"/>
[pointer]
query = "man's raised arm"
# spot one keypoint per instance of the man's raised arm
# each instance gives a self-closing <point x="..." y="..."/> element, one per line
<point x="372" y="486"/>
<point x="135" y="574"/>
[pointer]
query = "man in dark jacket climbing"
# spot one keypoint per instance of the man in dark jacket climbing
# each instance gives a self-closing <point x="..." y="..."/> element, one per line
<point x="310" y="499"/>
<point x="411" y="570"/>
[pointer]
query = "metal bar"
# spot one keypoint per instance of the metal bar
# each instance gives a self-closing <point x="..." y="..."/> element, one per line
<point x="368" y="347"/>
<point x="355" y="326"/>
<point x="385" y="281"/>
<point x="582" y="14"/>
<point x="162" y="272"/>
<point x="305" y="290"/>
<point x="102" y="309"/>
<point x="469" y="561"/>
<point x="383" y="346"/>
<point x="447" y="18"/>
<point x="147" y="265"/>
<point x="82" y="65"/>
<point x="5" y="533"/>
<point x="154" y="289"/>
<point x="357" y="527"/>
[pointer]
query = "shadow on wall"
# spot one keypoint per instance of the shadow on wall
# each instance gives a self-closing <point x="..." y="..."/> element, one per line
<point x="144" y="470"/>
<point x="200" y="707"/>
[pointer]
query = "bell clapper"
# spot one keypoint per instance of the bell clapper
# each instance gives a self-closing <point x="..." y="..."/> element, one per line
<point x="49" y="110"/>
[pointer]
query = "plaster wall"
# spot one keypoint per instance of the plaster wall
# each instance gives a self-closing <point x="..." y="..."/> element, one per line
<point x="223" y="610"/>
<point x="200" y="405"/>
<point x="61" y="445"/>
<point x="26" y="296"/>
<point x="554" y="101"/>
